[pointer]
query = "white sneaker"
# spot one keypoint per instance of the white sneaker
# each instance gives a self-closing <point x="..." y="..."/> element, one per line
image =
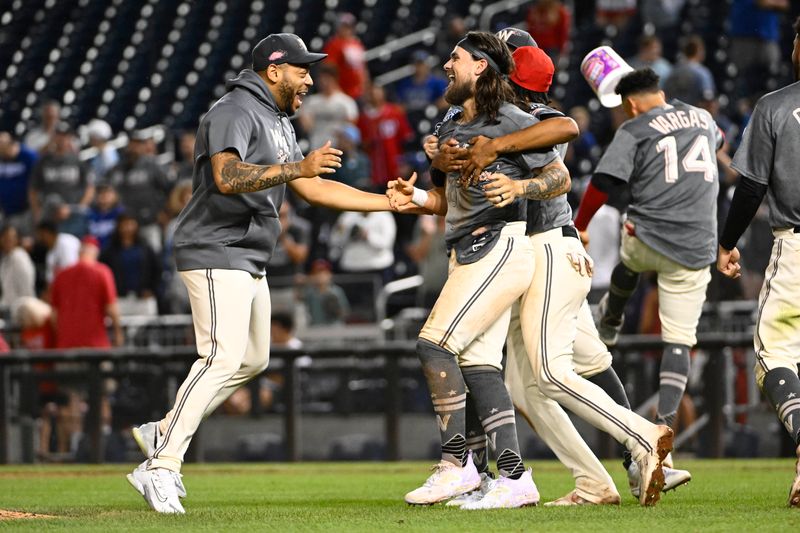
<point x="651" y="472"/>
<point x="574" y="499"/>
<point x="472" y="496"/>
<point x="673" y="478"/>
<point x="148" y="437"/>
<point x="507" y="493"/>
<point x="607" y="328"/>
<point x="447" y="481"/>
<point x="794" y="492"/>
<point x="179" y="487"/>
<point x="158" y="486"/>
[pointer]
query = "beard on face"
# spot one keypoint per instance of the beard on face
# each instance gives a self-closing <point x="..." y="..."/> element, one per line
<point x="286" y="96"/>
<point x="458" y="92"/>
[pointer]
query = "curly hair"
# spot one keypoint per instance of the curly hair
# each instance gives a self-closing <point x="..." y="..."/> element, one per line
<point x="492" y="87"/>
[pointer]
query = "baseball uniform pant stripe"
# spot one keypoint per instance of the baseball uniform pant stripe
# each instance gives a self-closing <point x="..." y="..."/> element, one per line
<point x="768" y="288"/>
<point x="477" y="294"/>
<point x="553" y="379"/>
<point x="213" y="307"/>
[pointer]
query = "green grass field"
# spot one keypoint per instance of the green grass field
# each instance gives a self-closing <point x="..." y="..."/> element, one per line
<point x="729" y="495"/>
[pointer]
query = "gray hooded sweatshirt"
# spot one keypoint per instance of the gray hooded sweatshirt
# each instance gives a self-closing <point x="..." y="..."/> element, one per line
<point x="236" y="231"/>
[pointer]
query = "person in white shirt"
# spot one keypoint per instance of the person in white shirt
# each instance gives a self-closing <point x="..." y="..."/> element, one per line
<point x="17" y="273"/>
<point x="62" y="248"/>
<point x="366" y="241"/>
<point x="325" y="113"/>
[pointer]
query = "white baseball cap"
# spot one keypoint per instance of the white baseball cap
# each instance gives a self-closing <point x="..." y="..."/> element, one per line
<point x="99" y="129"/>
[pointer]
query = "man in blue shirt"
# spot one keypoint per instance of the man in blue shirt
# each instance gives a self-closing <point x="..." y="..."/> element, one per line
<point x="16" y="163"/>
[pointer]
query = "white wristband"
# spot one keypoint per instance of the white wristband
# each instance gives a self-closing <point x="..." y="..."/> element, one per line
<point x="419" y="197"/>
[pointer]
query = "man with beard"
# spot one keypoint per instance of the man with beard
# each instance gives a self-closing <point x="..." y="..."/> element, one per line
<point x="768" y="160"/>
<point x="246" y="152"/>
<point x="491" y="265"/>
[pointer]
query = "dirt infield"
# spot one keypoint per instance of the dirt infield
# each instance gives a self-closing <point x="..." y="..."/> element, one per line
<point x="16" y="515"/>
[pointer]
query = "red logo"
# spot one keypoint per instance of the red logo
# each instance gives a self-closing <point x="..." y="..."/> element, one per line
<point x="277" y="55"/>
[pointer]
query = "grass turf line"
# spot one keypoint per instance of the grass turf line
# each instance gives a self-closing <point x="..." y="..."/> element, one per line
<point x="726" y="495"/>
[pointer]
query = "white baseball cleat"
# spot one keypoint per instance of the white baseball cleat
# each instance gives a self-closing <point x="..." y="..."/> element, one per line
<point x="507" y="493"/>
<point x="447" y="481"/>
<point x="794" y="492"/>
<point x="651" y="472"/>
<point x="673" y="478"/>
<point x="607" y="328"/>
<point x="148" y="437"/>
<point x="573" y="498"/>
<point x="158" y="486"/>
<point x="179" y="487"/>
<point x="474" y="495"/>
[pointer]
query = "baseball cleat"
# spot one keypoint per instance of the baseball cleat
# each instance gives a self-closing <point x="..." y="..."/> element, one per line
<point x="573" y="498"/>
<point x="474" y="495"/>
<point x="651" y="472"/>
<point x="179" y="487"/>
<point x="147" y="436"/>
<point x="446" y="482"/>
<point x="158" y="487"/>
<point x="608" y="328"/>
<point x="794" y="492"/>
<point x="673" y="478"/>
<point x="507" y="493"/>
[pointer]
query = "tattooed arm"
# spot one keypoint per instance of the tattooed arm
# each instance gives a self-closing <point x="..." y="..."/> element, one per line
<point x="234" y="176"/>
<point x="552" y="180"/>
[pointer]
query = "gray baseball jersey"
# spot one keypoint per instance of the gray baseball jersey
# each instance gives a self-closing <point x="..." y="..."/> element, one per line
<point x="544" y="215"/>
<point x="668" y="157"/>
<point x="236" y="231"/>
<point x="468" y="208"/>
<point x="61" y="178"/>
<point x="770" y="153"/>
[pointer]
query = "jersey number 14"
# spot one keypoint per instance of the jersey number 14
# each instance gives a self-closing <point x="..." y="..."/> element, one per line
<point x="697" y="159"/>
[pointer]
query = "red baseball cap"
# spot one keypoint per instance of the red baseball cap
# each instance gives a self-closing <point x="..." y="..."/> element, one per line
<point x="91" y="239"/>
<point x="533" y="69"/>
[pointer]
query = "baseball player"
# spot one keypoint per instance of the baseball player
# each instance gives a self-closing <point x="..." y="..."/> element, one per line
<point x="246" y="153"/>
<point x="491" y="266"/>
<point x="768" y="160"/>
<point x="664" y="157"/>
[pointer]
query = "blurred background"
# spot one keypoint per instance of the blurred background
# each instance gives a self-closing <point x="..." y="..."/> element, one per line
<point x="99" y="101"/>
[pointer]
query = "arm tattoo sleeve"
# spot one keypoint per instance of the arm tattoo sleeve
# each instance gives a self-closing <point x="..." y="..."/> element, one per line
<point x="245" y="177"/>
<point x="550" y="183"/>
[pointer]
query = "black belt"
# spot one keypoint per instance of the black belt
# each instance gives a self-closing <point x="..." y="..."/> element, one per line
<point x="569" y="231"/>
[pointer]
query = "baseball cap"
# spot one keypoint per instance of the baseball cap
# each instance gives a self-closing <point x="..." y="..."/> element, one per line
<point x="91" y="239"/>
<point x="533" y="69"/>
<point x="280" y="48"/>
<point x="64" y="128"/>
<point x="99" y="129"/>
<point x="419" y="56"/>
<point x="515" y="38"/>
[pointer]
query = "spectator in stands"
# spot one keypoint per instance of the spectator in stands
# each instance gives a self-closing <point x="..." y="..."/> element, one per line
<point x="174" y="296"/>
<point x="691" y="81"/>
<point x="616" y="13"/>
<point x="38" y="138"/>
<point x="549" y="24"/>
<point x="142" y="185"/>
<point x="356" y="166"/>
<point x="291" y="250"/>
<point x="16" y="163"/>
<point x="429" y="253"/>
<point x="455" y="29"/>
<point x="346" y="51"/>
<point x="103" y="214"/>
<point x="384" y="130"/>
<point x="649" y="56"/>
<point x="325" y="301"/>
<point x="754" y="33"/>
<point x="583" y="152"/>
<point x="328" y="109"/>
<point x="82" y="296"/>
<point x="62" y="187"/>
<point x="423" y="88"/>
<point x="17" y="273"/>
<point x="136" y="268"/>
<point x="61" y="249"/>
<point x="100" y="133"/>
<point x="664" y="16"/>
<point x="184" y="165"/>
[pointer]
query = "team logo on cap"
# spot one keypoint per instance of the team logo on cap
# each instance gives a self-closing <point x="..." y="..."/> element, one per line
<point x="277" y="54"/>
<point x="505" y="35"/>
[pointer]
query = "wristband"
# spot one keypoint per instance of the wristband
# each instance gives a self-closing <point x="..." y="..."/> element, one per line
<point x="419" y="197"/>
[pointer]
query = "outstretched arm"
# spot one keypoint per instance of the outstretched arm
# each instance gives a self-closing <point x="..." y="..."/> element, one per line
<point x="545" y="134"/>
<point x="335" y="195"/>
<point x="553" y="180"/>
<point x="234" y="176"/>
<point x="401" y="194"/>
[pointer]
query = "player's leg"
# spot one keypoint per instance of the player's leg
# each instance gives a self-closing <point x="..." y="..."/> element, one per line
<point x="549" y="320"/>
<point x="624" y="279"/>
<point x="473" y="298"/>
<point x="777" y="339"/>
<point x="553" y="426"/>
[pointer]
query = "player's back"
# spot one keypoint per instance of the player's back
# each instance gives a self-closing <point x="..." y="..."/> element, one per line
<point x="674" y="180"/>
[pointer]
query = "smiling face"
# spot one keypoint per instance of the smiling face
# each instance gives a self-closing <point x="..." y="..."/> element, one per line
<point x="292" y="83"/>
<point x="462" y="71"/>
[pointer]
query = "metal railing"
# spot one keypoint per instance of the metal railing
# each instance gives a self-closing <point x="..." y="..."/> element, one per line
<point x="18" y="381"/>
